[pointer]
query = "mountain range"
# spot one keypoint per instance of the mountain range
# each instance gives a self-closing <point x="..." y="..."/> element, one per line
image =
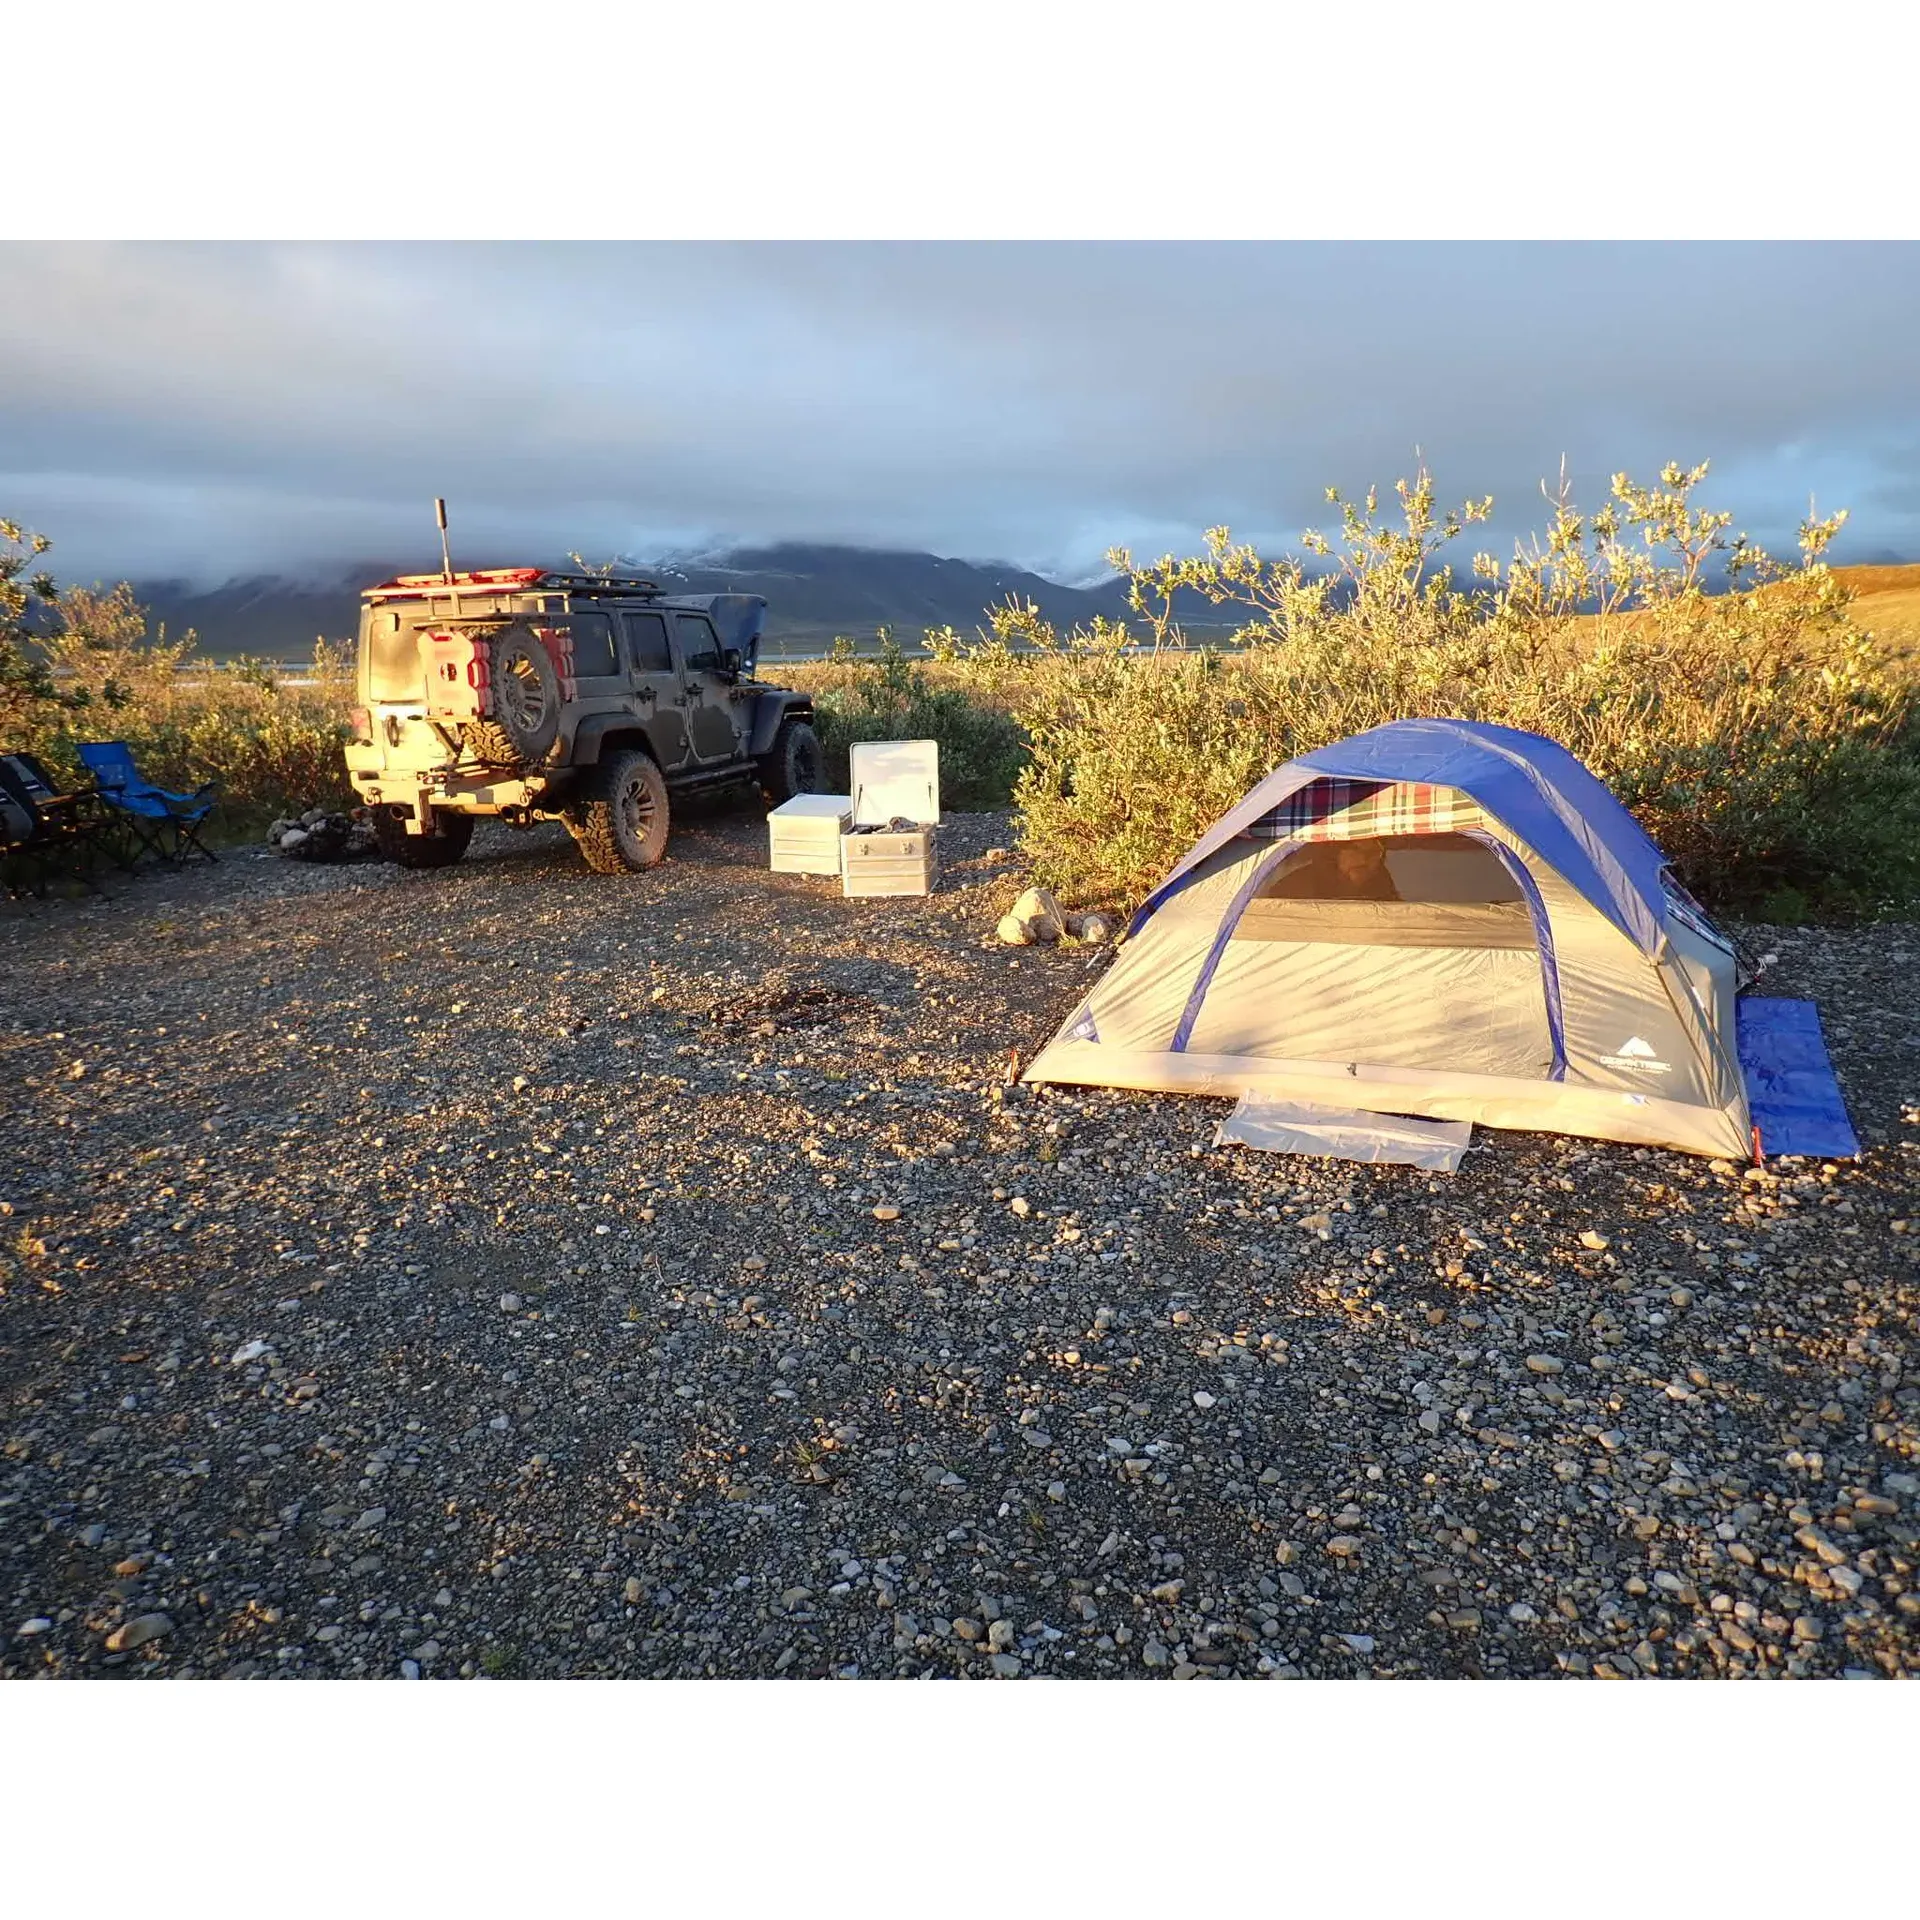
<point x="812" y="593"/>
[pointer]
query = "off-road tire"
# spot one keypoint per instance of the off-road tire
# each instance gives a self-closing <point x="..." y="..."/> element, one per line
<point x="620" y="821"/>
<point x="440" y="848"/>
<point x="526" y="702"/>
<point x="794" y="763"/>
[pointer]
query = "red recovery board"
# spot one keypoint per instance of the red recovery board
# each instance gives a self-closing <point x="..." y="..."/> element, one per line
<point x="456" y="671"/>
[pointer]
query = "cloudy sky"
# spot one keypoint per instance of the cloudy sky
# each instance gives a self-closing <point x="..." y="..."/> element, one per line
<point x="207" y="410"/>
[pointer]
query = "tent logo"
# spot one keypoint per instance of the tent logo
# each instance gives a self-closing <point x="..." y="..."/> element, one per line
<point x="1638" y="1055"/>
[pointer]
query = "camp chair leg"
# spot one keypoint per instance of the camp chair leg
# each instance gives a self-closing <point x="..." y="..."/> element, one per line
<point x="145" y="838"/>
<point x="28" y="865"/>
<point x="121" y="843"/>
<point x="186" y="841"/>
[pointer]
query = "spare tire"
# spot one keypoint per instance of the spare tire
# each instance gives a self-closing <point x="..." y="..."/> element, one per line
<point x="526" y="701"/>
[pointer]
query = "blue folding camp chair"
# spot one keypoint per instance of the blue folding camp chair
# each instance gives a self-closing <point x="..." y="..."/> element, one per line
<point x="167" y="825"/>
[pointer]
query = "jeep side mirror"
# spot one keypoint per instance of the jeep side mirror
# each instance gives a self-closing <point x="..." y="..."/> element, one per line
<point x="731" y="663"/>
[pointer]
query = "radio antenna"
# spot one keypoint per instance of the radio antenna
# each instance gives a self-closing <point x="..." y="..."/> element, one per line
<point x="446" y="554"/>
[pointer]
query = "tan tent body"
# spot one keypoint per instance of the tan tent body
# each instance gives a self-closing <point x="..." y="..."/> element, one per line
<point x="1434" y="918"/>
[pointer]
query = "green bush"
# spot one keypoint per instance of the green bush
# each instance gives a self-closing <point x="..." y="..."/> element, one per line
<point x="982" y="749"/>
<point x="1756" y="733"/>
<point x="79" y="664"/>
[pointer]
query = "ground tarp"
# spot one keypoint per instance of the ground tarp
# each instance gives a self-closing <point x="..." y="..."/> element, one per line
<point x="1299" y="1126"/>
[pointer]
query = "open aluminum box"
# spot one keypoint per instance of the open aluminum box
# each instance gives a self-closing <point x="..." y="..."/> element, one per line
<point x="803" y="834"/>
<point x="893" y="780"/>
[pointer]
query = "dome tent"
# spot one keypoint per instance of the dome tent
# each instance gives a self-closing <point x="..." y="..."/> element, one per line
<point x="1436" y="917"/>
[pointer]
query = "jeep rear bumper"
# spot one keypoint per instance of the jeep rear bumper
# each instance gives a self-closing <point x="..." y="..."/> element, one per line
<point x="416" y="790"/>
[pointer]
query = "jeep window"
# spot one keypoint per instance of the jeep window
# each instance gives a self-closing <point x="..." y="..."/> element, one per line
<point x="592" y="646"/>
<point x="698" y="646"/>
<point x="393" y="657"/>
<point x="647" y="642"/>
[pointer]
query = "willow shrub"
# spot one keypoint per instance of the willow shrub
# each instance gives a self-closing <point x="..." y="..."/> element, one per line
<point x="273" y="747"/>
<point x="1756" y="732"/>
<point x="982" y="749"/>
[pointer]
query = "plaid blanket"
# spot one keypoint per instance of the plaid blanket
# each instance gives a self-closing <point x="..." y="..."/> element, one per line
<point x="1367" y="810"/>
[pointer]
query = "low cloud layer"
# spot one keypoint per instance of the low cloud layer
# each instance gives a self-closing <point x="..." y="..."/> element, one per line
<point x="214" y="410"/>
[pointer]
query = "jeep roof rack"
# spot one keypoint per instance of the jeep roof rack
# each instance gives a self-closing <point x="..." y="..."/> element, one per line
<point x="408" y="586"/>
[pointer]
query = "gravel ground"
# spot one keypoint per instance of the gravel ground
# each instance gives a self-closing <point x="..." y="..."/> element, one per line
<point x="508" y="1271"/>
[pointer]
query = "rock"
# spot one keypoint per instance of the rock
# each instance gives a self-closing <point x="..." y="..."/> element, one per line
<point x="27" y="1629"/>
<point x="1817" y="1543"/>
<point x="1545" y="1363"/>
<point x="250" y="1350"/>
<point x="1006" y="1665"/>
<point x="293" y="839"/>
<point x="1095" y="929"/>
<point x="1595" y="1242"/>
<point x="886" y="1212"/>
<point x="1203" y="1400"/>
<point x="1000" y="1635"/>
<point x="511" y="1303"/>
<point x="1464" y="1620"/>
<point x="138" y="1632"/>
<point x="409" y="1669"/>
<point x="633" y="1593"/>
<point x="370" y="1519"/>
<point x="1013" y="932"/>
<point x="1343" y="1546"/>
<point x="1359" y="1642"/>
<point x="1153" y="1654"/>
<point x="1169" y="1591"/>
<point x="966" y="1629"/>
<point x="1521" y="1613"/>
<point x="1038" y="912"/>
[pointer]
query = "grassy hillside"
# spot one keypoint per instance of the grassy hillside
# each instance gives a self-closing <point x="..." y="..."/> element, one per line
<point x="1887" y="605"/>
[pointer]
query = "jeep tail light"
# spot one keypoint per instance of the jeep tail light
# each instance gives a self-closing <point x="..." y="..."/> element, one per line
<point x="361" y="723"/>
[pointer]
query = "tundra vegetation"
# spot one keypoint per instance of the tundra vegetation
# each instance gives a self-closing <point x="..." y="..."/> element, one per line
<point x="1758" y="716"/>
<point x="85" y="663"/>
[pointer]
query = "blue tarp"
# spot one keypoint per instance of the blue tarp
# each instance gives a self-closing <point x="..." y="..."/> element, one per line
<point x="1532" y="784"/>
<point x="1791" y="1090"/>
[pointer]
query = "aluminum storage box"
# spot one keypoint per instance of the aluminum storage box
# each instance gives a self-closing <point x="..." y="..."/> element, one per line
<point x="892" y="847"/>
<point x="878" y="864"/>
<point x="803" y="834"/>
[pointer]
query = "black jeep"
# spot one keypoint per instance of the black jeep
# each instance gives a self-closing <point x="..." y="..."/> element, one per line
<point x="536" y="695"/>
